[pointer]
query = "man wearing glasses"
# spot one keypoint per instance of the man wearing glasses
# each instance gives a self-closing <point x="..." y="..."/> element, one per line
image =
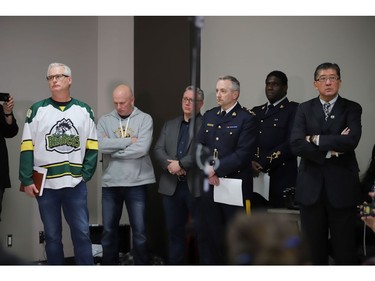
<point x="174" y="151"/>
<point x="326" y="131"/>
<point x="60" y="135"/>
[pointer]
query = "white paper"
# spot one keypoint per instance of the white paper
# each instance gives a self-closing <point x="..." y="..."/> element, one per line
<point x="229" y="191"/>
<point x="261" y="185"/>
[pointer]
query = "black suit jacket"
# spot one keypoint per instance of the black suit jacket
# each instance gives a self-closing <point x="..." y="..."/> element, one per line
<point x="337" y="176"/>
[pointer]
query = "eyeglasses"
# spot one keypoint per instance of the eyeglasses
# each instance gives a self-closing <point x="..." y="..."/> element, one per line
<point x="58" y="77"/>
<point x="324" y="79"/>
<point x="188" y="100"/>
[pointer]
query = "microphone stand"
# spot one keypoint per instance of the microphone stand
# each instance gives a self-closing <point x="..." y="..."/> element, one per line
<point x="197" y="25"/>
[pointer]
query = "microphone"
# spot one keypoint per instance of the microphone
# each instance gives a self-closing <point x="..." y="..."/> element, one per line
<point x="204" y="161"/>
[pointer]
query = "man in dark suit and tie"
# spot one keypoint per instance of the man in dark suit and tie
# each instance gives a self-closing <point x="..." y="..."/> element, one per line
<point x="228" y="134"/>
<point x="273" y="155"/>
<point x="174" y="152"/>
<point x="328" y="188"/>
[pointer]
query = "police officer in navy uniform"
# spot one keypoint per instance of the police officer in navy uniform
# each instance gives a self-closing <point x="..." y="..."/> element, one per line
<point x="228" y="133"/>
<point x="273" y="154"/>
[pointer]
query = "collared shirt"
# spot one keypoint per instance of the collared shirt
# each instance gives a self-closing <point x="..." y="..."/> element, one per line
<point x="332" y="103"/>
<point x="277" y="102"/>
<point x="229" y="109"/>
<point x="183" y="138"/>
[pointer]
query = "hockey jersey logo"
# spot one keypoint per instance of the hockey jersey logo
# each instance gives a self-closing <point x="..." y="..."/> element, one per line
<point x="63" y="137"/>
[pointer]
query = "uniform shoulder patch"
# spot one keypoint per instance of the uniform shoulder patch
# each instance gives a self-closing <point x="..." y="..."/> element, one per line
<point x="211" y="109"/>
<point x="248" y="110"/>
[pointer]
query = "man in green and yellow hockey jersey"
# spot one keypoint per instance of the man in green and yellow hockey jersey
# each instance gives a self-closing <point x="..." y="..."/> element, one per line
<point x="60" y="135"/>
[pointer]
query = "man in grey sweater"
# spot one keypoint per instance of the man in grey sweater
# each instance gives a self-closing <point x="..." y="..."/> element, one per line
<point x="125" y="137"/>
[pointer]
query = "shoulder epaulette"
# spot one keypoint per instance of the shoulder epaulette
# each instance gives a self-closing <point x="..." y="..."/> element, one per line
<point x="248" y="110"/>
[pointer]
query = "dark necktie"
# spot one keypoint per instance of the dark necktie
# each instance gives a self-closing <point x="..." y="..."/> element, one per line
<point x="326" y="109"/>
<point x="223" y="113"/>
<point x="269" y="108"/>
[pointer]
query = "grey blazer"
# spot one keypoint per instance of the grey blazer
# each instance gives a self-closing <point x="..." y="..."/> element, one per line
<point x="166" y="148"/>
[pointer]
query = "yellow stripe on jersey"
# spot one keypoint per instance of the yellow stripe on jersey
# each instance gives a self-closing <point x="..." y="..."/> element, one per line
<point x="62" y="164"/>
<point x="92" y="144"/>
<point x="27" y="145"/>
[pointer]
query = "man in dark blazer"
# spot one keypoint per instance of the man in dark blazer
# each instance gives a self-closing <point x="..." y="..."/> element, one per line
<point x="175" y="153"/>
<point x="273" y="154"/>
<point x="8" y="129"/>
<point x="228" y="135"/>
<point x="328" y="189"/>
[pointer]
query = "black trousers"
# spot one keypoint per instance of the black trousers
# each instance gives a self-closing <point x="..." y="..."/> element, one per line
<point x="330" y="231"/>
